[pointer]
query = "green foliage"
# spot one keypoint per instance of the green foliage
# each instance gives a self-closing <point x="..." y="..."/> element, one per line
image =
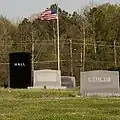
<point x="101" y="25"/>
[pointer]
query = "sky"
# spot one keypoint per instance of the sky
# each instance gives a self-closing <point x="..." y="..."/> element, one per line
<point x="18" y="9"/>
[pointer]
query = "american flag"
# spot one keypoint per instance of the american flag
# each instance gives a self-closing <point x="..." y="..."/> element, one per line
<point x="48" y="15"/>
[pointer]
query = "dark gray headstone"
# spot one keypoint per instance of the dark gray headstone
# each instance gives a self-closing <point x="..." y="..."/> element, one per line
<point x="68" y="81"/>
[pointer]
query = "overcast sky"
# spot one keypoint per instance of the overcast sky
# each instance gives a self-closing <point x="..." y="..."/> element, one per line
<point x="16" y="9"/>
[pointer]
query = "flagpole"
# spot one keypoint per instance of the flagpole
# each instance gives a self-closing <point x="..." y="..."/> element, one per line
<point x="32" y="57"/>
<point x="58" y="38"/>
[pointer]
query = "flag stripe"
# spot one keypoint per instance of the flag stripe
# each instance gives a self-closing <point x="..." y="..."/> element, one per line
<point x="48" y="18"/>
<point x="46" y="12"/>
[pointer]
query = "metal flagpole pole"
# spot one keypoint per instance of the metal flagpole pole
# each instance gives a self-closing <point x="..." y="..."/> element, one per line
<point x="58" y="38"/>
<point x="54" y="40"/>
<point x="32" y="57"/>
<point x="84" y="46"/>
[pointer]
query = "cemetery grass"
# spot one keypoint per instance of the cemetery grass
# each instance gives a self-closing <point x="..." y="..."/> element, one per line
<point x="55" y="105"/>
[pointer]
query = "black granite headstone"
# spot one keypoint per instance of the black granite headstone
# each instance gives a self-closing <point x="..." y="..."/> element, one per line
<point x="20" y="70"/>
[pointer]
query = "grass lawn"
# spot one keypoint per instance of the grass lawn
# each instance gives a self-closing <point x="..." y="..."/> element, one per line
<point x="55" y="105"/>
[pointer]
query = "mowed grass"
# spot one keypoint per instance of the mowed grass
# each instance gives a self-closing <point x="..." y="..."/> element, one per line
<point x="55" y="105"/>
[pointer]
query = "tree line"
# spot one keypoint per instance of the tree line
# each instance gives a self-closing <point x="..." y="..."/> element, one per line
<point x="98" y="26"/>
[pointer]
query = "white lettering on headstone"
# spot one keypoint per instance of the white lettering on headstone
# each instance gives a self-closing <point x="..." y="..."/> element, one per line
<point x="99" y="79"/>
<point x="15" y="64"/>
<point x="19" y="64"/>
